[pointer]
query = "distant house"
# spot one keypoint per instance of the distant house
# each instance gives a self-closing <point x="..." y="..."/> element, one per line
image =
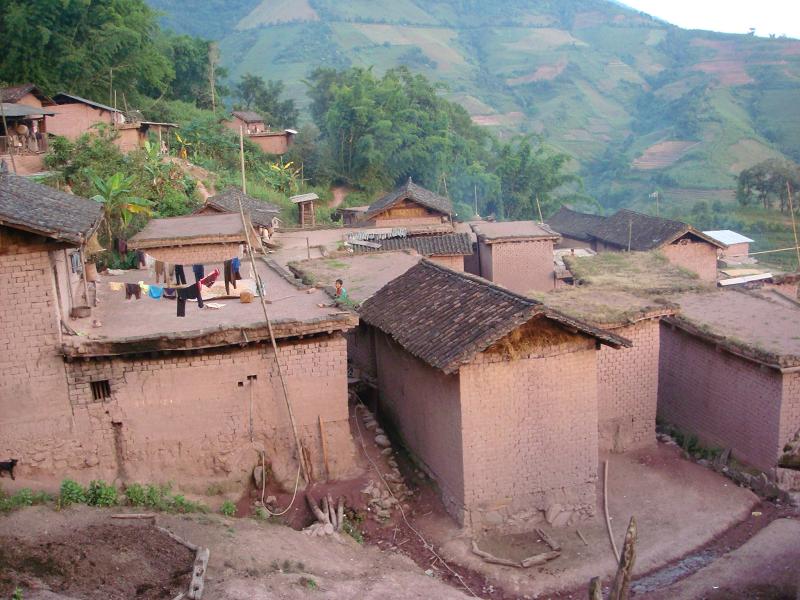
<point x="410" y="206"/>
<point x="738" y="246"/>
<point x="271" y="142"/>
<point x="575" y="227"/>
<point x="494" y="394"/>
<point x="351" y="215"/>
<point x="27" y="111"/>
<point x="627" y="230"/>
<point x="516" y="254"/>
<point x="730" y="373"/>
<point x="75" y="116"/>
<point x="261" y="213"/>
<point x="448" y="249"/>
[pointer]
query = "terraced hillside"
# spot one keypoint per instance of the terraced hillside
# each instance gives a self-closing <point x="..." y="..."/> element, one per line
<point x="639" y="103"/>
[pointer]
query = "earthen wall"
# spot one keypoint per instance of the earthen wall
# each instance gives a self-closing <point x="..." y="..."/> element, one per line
<point x="73" y="120"/>
<point x="628" y="388"/>
<point x="452" y="262"/>
<point x="698" y="257"/>
<point x="523" y="266"/>
<point x="725" y="400"/>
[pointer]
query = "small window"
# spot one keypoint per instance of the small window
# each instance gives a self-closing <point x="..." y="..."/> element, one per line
<point x="101" y="390"/>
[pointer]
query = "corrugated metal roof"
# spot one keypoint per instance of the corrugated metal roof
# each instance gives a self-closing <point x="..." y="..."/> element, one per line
<point x="23" y="110"/>
<point x="728" y="237"/>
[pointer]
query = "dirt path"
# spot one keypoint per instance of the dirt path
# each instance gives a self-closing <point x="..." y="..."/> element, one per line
<point x="199" y="174"/>
<point x="339" y="194"/>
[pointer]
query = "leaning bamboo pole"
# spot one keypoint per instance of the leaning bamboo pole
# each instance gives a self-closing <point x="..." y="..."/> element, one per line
<point x="794" y="222"/>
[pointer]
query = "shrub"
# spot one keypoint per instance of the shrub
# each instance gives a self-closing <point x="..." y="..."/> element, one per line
<point x="180" y="504"/>
<point x="135" y="494"/>
<point x="228" y="508"/>
<point x="71" y="493"/>
<point x="101" y="494"/>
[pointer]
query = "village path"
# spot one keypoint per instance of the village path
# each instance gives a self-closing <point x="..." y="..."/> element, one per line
<point x="338" y="196"/>
<point x="764" y="567"/>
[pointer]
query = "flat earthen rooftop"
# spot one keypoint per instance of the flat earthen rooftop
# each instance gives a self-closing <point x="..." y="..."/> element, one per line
<point x="606" y="308"/>
<point x="513" y="230"/>
<point x="221" y="228"/>
<point x="148" y="324"/>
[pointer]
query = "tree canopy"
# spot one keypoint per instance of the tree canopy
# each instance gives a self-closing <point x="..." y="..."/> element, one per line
<point x="767" y="182"/>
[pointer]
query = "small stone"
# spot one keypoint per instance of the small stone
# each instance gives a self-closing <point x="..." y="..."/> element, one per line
<point x="379" y="431"/>
<point x="493" y="518"/>
<point x="552" y="512"/>
<point x="704" y="463"/>
<point x="562" y="518"/>
<point x="92" y="461"/>
<point x="328" y="529"/>
<point x="386" y="451"/>
<point x="382" y="441"/>
<point x="272" y="500"/>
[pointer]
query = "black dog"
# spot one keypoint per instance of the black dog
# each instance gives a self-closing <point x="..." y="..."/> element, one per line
<point x="8" y="465"/>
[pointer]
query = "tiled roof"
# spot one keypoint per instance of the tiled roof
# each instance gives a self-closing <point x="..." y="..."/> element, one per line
<point x="646" y="232"/>
<point x="575" y="225"/>
<point x="415" y="193"/>
<point x="513" y="230"/>
<point x="46" y="211"/>
<point x="449" y="244"/>
<point x="445" y="318"/>
<point x="248" y="116"/>
<point x="261" y="213"/>
<point x="64" y="98"/>
<point x="16" y="93"/>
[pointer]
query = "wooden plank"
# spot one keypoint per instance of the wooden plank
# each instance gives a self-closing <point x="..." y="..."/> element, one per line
<point x="197" y="585"/>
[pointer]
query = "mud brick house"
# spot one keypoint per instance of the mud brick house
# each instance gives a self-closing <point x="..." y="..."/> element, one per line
<point x="730" y="373"/>
<point x="737" y="246"/>
<point x="76" y="116"/>
<point x="146" y="396"/>
<point x="516" y="254"/>
<point x="493" y="393"/>
<point x="261" y="213"/>
<point x="41" y="231"/>
<point x="448" y="249"/>
<point x="253" y="126"/>
<point x="27" y="113"/>
<point x="627" y="378"/>
<point x="410" y="206"/>
<point x="574" y="227"/>
<point x="627" y="230"/>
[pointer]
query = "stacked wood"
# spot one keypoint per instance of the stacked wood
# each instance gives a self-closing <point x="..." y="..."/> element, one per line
<point x="330" y="517"/>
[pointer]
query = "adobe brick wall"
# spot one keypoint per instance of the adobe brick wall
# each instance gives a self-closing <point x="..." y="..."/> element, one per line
<point x="33" y="385"/>
<point x="196" y="254"/>
<point x="522" y="266"/>
<point x="725" y="400"/>
<point x="530" y="433"/>
<point x="423" y="406"/>
<point x="361" y="350"/>
<point x="698" y="257"/>
<point x="73" y="120"/>
<point x="628" y="388"/>
<point x="790" y="408"/>
<point x="272" y="144"/>
<point x="736" y="251"/>
<point x="453" y="262"/>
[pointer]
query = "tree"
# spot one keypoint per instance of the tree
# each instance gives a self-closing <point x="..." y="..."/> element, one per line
<point x="766" y="183"/>
<point x="119" y="205"/>
<point x="265" y="98"/>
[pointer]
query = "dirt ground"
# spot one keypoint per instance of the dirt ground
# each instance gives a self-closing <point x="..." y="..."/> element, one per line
<point x="249" y="559"/>
<point x="91" y="557"/>
<point x="767" y="567"/>
<point x="679" y="506"/>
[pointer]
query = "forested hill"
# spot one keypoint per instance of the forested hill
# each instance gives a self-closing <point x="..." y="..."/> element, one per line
<point x="641" y="104"/>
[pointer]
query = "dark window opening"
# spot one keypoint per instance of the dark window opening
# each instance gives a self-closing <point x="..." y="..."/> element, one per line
<point x="101" y="390"/>
<point x="252" y="377"/>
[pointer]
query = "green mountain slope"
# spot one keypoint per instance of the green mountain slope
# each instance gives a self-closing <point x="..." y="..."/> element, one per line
<point x="639" y="103"/>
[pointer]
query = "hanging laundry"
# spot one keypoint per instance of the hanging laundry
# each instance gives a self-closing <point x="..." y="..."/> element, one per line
<point x="155" y="292"/>
<point x="160" y="272"/>
<point x="170" y="277"/>
<point x="230" y="277"/>
<point x="170" y="293"/>
<point x="199" y="272"/>
<point x="189" y="293"/>
<point x="133" y="289"/>
<point x="116" y="286"/>
<point x="180" y="275"/>
<point x="209" y="279"/>
<point x="144" y="287"/>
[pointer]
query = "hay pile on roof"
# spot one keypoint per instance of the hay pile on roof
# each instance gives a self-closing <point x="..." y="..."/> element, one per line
<point x="606" y="308"/>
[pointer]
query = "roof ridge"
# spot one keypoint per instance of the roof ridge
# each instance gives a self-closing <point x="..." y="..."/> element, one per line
<point x="641" y="214"/>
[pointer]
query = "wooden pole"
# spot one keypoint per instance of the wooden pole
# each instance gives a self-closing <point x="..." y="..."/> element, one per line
<point x="308" y="248"/>
<point x="8" y="138"/>
<point x="621" y="588"/>
<point x="241" y="158"/>
<point x="85" y="283"/>
<point x="605" y="510"/>
<point x="324" y="448"/>
<point x="794" y="222"/>
<point x="539" y="208"/>
<point x="630" y="235"/>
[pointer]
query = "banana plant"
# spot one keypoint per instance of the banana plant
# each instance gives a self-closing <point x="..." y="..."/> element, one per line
<point x="185" y="145"/>
<point x="119" y="206"/>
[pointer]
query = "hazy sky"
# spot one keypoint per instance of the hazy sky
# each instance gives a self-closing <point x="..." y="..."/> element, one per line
<point x="731" y="16"/>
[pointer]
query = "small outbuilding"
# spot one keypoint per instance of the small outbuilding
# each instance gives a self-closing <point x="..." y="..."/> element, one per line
<point x="257" y="131"/>
<point x="75" y="116"/>
<point x="493" y="393"/>
<point x="517" y="254"/>
<point x="410" y="206"/>
<point x="306" y="215"/>
<point x="262" y="214"/>
<point x="737" y="246"/>
<point x="448" y="249"/>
